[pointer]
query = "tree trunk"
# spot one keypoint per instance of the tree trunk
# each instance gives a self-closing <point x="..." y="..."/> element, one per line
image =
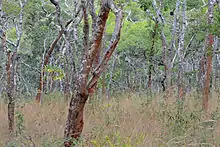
<point x="201" y="72"/>
<point x="104" y="85"/>
<point x="164" y="46"/>
<point x="110" y="78"/>
<point x="215" y="64"/>
<point x="154" y="34"/>
<point x="11" y="67"/>
<point x="9" y="89"/>
<point x="52" y="46"/>
<point x="74" y="123"/>
<point x="160" y="19"/>
<point x="171" y="52"/>
<point x="210" y="41"/>
<point x="44" y="64"/>
<point x="66" y="83"/>
<point x="181" y="54"/>
<point x="85" y="86"/>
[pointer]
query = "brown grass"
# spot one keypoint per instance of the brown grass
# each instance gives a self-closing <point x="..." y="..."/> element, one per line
<point x="120" y="122"/>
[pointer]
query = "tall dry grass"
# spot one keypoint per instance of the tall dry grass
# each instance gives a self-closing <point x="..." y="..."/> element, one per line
<point x="137" y="121"/>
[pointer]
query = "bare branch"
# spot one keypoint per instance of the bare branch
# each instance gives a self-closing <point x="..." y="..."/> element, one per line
<point x="56" y="4"/>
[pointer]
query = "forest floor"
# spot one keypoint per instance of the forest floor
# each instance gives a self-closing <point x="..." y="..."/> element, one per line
<point x="134" y="121"/>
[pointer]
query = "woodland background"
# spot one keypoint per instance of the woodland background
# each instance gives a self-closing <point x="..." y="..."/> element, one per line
<point x="161" y="86"/>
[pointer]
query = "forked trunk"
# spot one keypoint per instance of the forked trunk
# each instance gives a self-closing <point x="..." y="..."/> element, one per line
<point x="84" y="85"/>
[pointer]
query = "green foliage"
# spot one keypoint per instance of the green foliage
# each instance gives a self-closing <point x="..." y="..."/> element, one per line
<point x="11" y="8"/>
<point x="20" y="128"/>
<point x="11" y="34"/>
<point x="58" y="73"/>
<point x="216" y="24"/>
<point x="134" y="35"/>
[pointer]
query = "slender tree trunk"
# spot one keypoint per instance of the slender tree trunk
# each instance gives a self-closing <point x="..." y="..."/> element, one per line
<point x="171" y="52"/>
<point x="164" y="46"/>
<point x="201" y="72"/>
<point x="104" y="94"/>
<point x="160" y="19"/>
<point x="45" y="62"/>
<point x="9" y="89"/>
<point x="52" y="46"/>
<point x="110" y="78"/>
<point x="181" y="55"/>
<point x="11" y="67"/>
<point x="210" y="40"/>
<point x="215" y="64"/>
<point x="104" y="85"/>
<point x="66" y="85"/>
<point x="154" y="34"/>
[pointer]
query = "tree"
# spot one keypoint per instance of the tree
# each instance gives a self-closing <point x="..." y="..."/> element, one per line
<point x="12" y="60"/>
<point x="84" y="85"/>
<point x="52" y="46"/>
<point x="181" y="53"/>
<point x="209" y="44"/>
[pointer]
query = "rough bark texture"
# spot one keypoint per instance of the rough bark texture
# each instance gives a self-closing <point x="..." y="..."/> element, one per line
<point x="74" y="123"/>
<point x="11" y="103"/>
<point x="210" y="40"/>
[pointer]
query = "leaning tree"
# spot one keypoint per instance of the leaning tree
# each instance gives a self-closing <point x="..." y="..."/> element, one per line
<point x="91" y="70"/>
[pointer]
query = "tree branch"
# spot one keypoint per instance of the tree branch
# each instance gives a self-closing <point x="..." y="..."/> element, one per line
<point x="113" y="43"/>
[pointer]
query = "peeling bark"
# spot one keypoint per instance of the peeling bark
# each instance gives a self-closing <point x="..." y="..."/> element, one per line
<point x="84" y="87"/>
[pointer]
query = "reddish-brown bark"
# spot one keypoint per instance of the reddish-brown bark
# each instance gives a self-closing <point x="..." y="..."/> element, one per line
<point x="206" y="90"/>
<point x="210" y="40"/>
<point x="11" y="103"/>
<point x="74" y="124"/>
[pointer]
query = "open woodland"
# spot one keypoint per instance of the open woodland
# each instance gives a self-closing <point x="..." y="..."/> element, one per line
<point x="110" y="73"/>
